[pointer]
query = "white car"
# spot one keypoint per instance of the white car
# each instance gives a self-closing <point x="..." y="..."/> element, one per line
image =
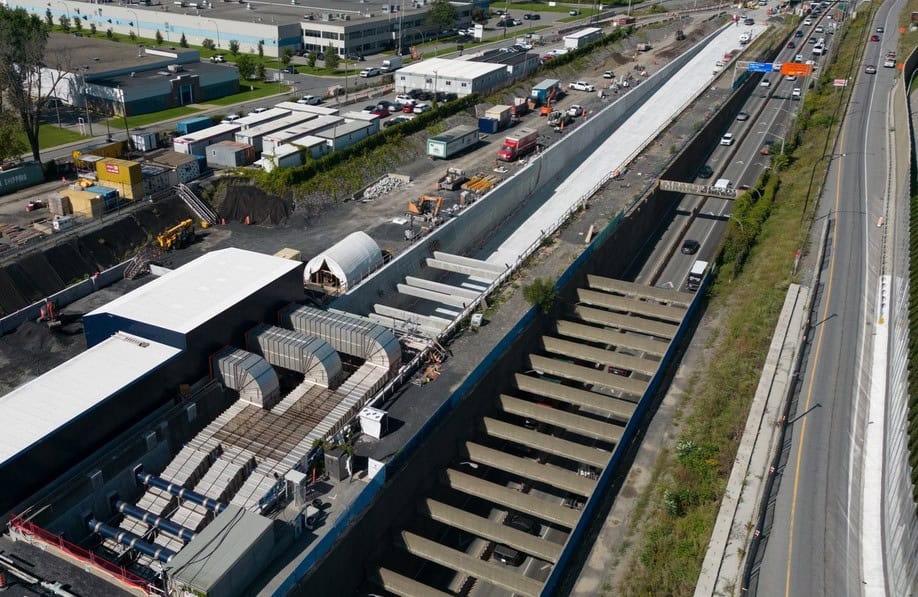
<point x="257" y="111"/>
<point x="309" y="100"/>
<point x="807" y="22"/>
<point x="404" y="98"/>
<point x="764" y="83"/>
<point x="820" y="29"/>
<point x="727" y="139"/>
<point x="790" y="78"/>
<point x="370" y="72"/>
<point x="422" y="107"/>
<point x="575" y="110"/>
<point x="230" y="118"/>
<point x="608" y="75"/>
<point x="795" y="93"/>
<point x="582" y="86"/>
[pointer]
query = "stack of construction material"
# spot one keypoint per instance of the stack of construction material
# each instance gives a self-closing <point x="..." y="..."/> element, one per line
<point x="122" y="175"/>
<point x="59" y="205"/>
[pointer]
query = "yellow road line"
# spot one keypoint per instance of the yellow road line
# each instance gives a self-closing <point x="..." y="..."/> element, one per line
<point x="816" y="353"/>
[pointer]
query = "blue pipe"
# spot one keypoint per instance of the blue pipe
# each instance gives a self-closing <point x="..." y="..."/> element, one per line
<point x="131" y="540"/>
<point x="164" y="524"/>
<point x="180" y="492"/>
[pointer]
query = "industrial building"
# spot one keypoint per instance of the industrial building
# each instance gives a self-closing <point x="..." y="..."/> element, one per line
<point x="462" y="77"/>
<point x="112" y="78"/>
<point x="349" y="26"/>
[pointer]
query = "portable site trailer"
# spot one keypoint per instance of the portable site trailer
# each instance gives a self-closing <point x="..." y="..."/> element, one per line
<point x="270" y="142"/>
<point x="197" y="142"/>
<point x="452" y="141"/>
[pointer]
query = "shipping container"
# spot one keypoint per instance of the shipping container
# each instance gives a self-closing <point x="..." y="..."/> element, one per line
<point x="117" y="170"/>
<point x="20" y="177"/>
<point x="318" y="110"/>
<point x="193" y="125"/>
<point x="186" y="167"/>
<point x="109" y="149"/>
<point x="61" y="223"/>
<point x="500" y="113"/>
<point x="230" y="154"/>
<point x="452" y="142"/>
<point x="543" y="90"/>
<point x="144" y="141"/>
<point x="489" y="126"/>
<point x="158" y="178"/>
<point x="129" y="191"/>
<point x="86" y="204"/>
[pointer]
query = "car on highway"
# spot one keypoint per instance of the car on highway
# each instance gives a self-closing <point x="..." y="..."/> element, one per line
<point x="791" y="45"/>
<point x="798" y="58"/>
<point x="880" y="30"/>
<point x="764" y="82"/>
<point x="608" y="75"/>
<point x="766" y="148"/>
<point x="870" y="69"/>
<point x="575" y="110"/>
<point x="257" y="111"/>
<point x="820" y="29"/>
<point x="749" y="22"/>
<point x="798" y="34"/>
<point x="790" y="78"/>
<point x="582" y="86"/>
<point x="705" y="172"/>
<point x="807" y="22"/>
<point x="742" y="116"/>
<point x="371" y="71"/>
<point x="874" y="38"/>
<point x="889" y="62"/>
<point x="309" y="100"/>
<point x="727" y="139"/>
<point x="795" y="93"/>
<point x="690" y="246"/>
<point x="812" y="40"/>
<point x="230" y="118"/>
<point x="218" y="58"/>
<point x="422" y="107"/>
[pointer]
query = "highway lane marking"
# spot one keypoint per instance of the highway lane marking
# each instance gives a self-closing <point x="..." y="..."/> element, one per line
<point x="813" y="369"/>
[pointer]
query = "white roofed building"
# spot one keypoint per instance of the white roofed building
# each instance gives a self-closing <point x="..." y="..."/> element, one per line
<point x="462" y="77"/>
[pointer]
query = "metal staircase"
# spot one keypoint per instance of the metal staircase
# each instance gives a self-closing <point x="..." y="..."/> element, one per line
<point x="196" y="205"/>
<point x="140" y="264"/>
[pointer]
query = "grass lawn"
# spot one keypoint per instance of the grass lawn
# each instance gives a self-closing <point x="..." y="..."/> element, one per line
<point x="50" y="135"/>
<point x="153" y="117"/>
<point x="250" y="90"/>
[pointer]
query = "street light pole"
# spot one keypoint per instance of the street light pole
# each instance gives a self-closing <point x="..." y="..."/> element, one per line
<point x="806" y="202"/>
<point x="217" y="27"/>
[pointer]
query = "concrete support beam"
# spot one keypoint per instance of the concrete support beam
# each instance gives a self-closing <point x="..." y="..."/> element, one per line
<point x="588" y="375"/>
<point x="501" y="576"/>
<point x="469" y="261"/>
<point x="512" y="499"/>
<point x="630" y="305"/>
<point x="548" y="474"/>
<point x="487" y="529"/>
<point x="405" y="327"/>
<point x="440" y="287"/>
<point x="480" y="274"/>
<point x="673" y="297"/>
<point x="570" y="329"/>
<point x="626" y="322"/>
<point x="570" y="421"/>
<point x="404" y="586"/>
<point x="547" y="443"/>
<point x="410" y="317"/>
<point x="431" y="295"/>
<point x="609" y="358"/>
<point x="615" y="407"/>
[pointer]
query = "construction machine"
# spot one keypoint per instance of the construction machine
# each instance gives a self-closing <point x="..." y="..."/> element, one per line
<point x="178" y="236"/>
<point x="48" y="314"/>
<point x="426" y="205"/>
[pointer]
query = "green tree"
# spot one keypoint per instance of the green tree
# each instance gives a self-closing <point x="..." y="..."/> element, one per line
<point x="78" y="24"/>
<point x="132" y="35"/>
<point x="541" y="293"/>
<point x="286" y="56"/>
<point x="209" y="44"/>
<point x="109" y="33"/>
<point x="442" y="15"/>
<point x="48" y="18"/>
<point x="261" y="48"/>
<point x="246" y="65"/>
<point x="331" y="57"/>
<point x="234" y="47"/>
<point x="311" y="59"/>
<point x="183" y="42"/>
<point x="92" y="28"/>
<point x="27" y="79"/>
<point x="14" y="144"/>
<point x="159" y="38"/>
<point x="260" y="71"/>
<point x="64" y="20"/>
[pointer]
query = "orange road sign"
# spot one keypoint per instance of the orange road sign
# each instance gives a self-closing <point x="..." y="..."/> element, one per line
<point x="795" y="69"/>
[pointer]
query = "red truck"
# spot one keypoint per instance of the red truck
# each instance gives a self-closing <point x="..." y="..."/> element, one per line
<point x="518" y="144"/>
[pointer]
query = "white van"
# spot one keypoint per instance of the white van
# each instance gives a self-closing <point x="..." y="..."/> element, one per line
<point x="723" y="184"/>
<point x="696" y="275"/>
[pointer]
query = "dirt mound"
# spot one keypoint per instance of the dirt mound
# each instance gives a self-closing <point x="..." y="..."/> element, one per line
<point x="32" y="338"/>
<point x="618" y="58"/>
<point x="240" y="201"/>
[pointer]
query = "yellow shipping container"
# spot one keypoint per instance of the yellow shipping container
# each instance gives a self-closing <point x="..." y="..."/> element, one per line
<point x="122" y="171"/>
<point x="86" y="204"/>
<point x="128" y="191"/>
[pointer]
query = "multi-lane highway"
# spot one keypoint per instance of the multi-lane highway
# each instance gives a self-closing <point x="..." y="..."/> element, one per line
<point x="814" y="544"/>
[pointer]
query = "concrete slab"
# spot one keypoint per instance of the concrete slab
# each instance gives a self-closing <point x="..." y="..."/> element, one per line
<point x="547" y="443"/>
<point x="490" y="530"/>
<point x="431" y="295"/>
<point x="623" y="304"/>
<point x="469" y="261"/>
<point x="501" y="576"/>
<point x="601" y="356"/>
<point x="588" y="375"/>
<point x="609" y="337"/>
<point x="615" y="407"/>
<point x="411" y="317"/>
<point x="440" y="287"/>
<point x="626" y="322"/>
<point x="572" y="422"/>
<point x="548" y="474"/>
<point x="479" y="273"/>
<point x="402" y="585"/>
<point x="512" y="499"/>
<point x="674" y="297"/>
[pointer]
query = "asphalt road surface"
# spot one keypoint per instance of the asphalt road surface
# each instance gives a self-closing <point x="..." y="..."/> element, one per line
<point x="814" y="544"/>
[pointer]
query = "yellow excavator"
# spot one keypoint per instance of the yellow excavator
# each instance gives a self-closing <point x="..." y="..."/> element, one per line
<point x="426" y="205"/>
<point x="180" y="235"/>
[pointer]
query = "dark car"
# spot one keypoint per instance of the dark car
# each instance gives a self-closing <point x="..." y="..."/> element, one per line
<point x="507" y="555"/>
<point x="289" y="69"/>
<point x="791" y="45"/>
<point x="415" y="93"/>
<point x="690" y="247"/>
<point x="532" y="16"/>
<point x="705" y="172"/>
<point x="798" y="34"/>
<point x="524" y="523"/>
<point x="874" y="38"/>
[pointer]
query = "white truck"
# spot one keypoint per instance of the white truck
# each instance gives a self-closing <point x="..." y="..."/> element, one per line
<point x="696" y="275"/>
<point x="392" y="64"/>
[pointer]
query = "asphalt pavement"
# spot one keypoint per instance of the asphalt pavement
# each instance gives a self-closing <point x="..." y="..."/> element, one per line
<point x="813" y="548"/>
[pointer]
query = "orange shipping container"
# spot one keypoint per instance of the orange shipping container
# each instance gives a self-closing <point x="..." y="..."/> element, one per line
<point x="115" y="170"/>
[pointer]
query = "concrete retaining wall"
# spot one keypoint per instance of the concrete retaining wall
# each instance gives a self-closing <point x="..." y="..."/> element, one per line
<point x="478" y="223"/>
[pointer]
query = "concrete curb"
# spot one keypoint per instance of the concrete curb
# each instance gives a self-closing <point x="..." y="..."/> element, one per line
<point x="724" y="561"/>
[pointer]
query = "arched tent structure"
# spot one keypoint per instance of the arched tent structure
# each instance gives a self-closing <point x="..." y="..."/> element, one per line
<point x="345" y="263"/>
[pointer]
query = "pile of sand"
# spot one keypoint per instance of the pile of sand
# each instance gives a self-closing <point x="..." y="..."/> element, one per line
<point x="235" y="202"/>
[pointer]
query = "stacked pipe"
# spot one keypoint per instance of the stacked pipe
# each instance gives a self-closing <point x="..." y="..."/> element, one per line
<point x="164" y="524"/>
<point x="131" y="540"/>
<point x="181" y="492"/>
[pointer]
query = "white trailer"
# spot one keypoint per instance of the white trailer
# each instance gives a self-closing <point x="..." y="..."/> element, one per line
<point x="582" y="38"/>
<point x="195" y="143"/>
<point x="253" y="135"/>
<point x="270" y="142"/>
<point x="452" y="141"/>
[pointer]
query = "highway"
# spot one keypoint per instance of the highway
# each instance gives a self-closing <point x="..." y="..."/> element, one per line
<point x="813" y="547"/>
